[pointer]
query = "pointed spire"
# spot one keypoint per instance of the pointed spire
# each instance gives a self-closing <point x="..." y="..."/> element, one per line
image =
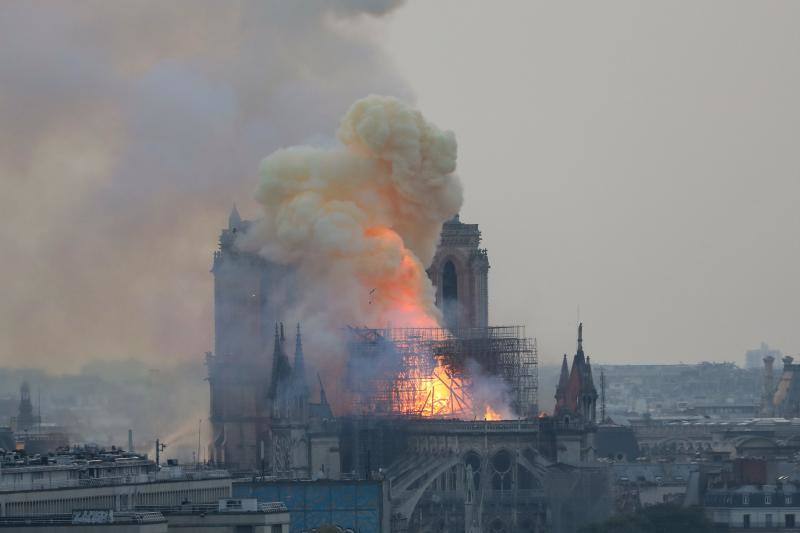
<point x="234" y="220"/>
<point x="590" y="380"/>
<point x="580" y="337"/>
<point x="281" y="369"/>
<point x="561" y="389"/>
<point x="298" y="348"/>
<point x="299" y="362"/>
<point x="323" y="398"/>
<point x="564" y="378"/>
<point x="276" y="355"/>
<point x="283" y="337"/>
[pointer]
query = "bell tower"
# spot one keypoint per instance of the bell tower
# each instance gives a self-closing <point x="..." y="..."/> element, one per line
<point x="460" y="274"/>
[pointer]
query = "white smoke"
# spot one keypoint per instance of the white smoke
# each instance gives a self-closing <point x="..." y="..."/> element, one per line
<point x="359" y="223"/>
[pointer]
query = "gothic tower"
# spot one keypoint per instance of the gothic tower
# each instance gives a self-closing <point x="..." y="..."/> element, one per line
<point x="576" y="394"/>
<point x="25" y="417"/>
<point x="247" y="298"/>
<point x="460" y="275"/>
<point x="249" y="293"/>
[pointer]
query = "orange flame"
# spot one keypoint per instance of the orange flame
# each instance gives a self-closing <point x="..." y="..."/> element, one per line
<point x="491" y="414"/>
<point x="439" y="394"/>
<point x="400" y="295"/>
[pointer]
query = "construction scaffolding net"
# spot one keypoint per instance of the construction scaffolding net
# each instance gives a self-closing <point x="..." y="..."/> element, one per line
<point x="436" y="372"/>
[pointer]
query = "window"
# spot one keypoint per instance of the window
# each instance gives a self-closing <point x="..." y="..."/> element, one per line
<point x="768" y="499"/>
<point x="789" y="500"/>
<point x="746" y="499"/>
<point x="768" y="520"/>
<point x="746" y="521"/>
<point x="789" y="520"/>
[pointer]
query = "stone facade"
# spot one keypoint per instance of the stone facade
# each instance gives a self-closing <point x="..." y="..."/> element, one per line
<point x="249" y="294"/>
<point x="460" y="273"/>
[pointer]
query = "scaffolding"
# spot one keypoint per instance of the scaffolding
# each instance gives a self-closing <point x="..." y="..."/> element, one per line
<point x="431" y="371"/>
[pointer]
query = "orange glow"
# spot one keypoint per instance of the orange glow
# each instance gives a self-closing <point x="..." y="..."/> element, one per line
<point x="401" y="295"/>
<point x="439" y="394"/>
<point x="491" y="414"/>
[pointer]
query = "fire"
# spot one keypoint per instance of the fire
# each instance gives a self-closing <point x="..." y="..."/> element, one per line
<point x="398" y="287"/>
<point x="440" y="394"/>
<point x="491" y="414"/>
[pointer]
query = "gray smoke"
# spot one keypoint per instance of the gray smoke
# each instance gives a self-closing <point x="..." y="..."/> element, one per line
<point x="127" y="130"/>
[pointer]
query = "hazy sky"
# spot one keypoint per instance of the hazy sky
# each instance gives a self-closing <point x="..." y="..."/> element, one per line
<point x="638" y="160"/>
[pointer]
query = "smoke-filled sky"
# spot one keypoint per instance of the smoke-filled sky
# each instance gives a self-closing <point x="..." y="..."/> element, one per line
<point x="638" y="160"/>
<point x="127" y="131"/>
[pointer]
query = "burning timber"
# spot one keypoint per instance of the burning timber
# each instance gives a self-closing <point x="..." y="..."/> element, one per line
<point x="469" y="373"/>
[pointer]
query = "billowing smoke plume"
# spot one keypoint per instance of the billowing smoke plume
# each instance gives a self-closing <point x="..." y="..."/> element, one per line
<point x="127" y="130"/>
<point x="360" y="223"/>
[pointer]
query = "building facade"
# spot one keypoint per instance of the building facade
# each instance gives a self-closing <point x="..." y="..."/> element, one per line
<point x="460" y="273"/>
<point x="249" y="428"/>
<point x="100" y="479"/>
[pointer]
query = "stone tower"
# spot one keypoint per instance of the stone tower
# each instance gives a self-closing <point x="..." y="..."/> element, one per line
<point x="25" y="417"/>
<point x="576" y="407"/>
<point x="250" y="295"/>
<point x="577" y="395"/>
<point x="460" y="275"/>
<point x="247" y="298"/>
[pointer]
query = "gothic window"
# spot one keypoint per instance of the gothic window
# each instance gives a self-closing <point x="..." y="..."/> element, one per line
<point x="473" y="459"/>
<point x="501" y="464"/>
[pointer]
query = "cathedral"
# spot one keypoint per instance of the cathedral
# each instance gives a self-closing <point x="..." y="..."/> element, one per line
<point x="260" y="402"/>
<point x="270" y="412"/>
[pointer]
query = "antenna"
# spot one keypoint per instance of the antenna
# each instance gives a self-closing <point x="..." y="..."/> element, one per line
<point x="159" y="448"/>
<point x="602" y="396"/>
